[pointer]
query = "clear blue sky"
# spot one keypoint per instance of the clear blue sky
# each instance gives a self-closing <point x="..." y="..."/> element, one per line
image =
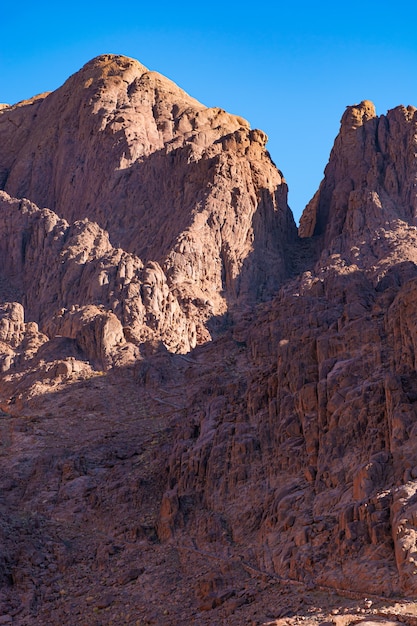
<point x="288" y="68"/>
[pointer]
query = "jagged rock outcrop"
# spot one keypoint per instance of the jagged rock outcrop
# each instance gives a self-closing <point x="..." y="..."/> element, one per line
<point x="17" y="339"/>
<point x="369" y="181"/>
<point x="77" y="285"/>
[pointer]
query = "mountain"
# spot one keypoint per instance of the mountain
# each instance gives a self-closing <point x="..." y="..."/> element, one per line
<point x="126" y="148"/>
<point x="205" y="415"/>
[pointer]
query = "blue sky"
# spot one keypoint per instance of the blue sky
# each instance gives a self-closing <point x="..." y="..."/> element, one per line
<point x="288" y="68"/>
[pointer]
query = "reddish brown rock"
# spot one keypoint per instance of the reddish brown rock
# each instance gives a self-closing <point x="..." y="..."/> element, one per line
<point x="63" y="269"/>
<point x="369" y="180"/>
<point x="191" y="397"/>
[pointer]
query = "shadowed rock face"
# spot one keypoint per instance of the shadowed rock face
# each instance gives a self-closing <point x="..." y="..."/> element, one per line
<point x="283" y="443"/>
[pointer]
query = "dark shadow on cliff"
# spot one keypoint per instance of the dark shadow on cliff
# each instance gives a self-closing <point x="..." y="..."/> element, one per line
<point x="144" y="207"/>
<point x="10" y="290"/>
<point x="163" y="192"/>
<point x="278" y="256"/>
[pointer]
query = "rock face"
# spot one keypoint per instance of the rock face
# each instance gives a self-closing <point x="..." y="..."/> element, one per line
<point x="189" y="392"/>
<point x="158" y="172"/>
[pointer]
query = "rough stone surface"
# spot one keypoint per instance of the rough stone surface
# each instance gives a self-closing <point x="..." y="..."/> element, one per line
<point x="203" y="418"/>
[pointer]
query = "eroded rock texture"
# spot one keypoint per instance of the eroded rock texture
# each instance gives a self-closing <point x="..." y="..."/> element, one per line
<point x="184" y="380"/>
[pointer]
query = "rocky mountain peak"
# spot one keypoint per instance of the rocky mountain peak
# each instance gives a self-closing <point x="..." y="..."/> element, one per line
<point x="189" y="191"/>
<point x="368" y="181"/>
<point x="357" y="115"/>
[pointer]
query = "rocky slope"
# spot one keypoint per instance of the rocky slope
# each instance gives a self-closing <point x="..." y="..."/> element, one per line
<point x="204" y="417"/>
